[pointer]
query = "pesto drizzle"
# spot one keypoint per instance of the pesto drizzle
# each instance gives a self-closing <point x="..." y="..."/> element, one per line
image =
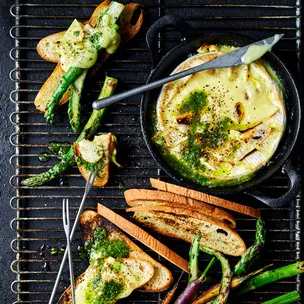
<point x="105" y="248"/>
<point x="98" y="248"/>
<point x="100" y="292"/>
<point x="201" y="135"/>
<point x="92" y="166"/>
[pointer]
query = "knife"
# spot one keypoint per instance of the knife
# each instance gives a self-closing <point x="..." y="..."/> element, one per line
<point x="243" y="55"/>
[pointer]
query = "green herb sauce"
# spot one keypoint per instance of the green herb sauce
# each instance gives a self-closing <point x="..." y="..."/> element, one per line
<point x="92" y="166"/>
<point x="100" y="292"/>
<point x="194" y="104"/>
<point x="103" y="248"/>
<point x="201" y="135"/>
<point x="59" y="149"/>
<point x="44" y="157"/>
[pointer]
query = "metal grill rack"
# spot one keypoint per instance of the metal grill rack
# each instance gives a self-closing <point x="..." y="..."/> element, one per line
<point x="38" y="223"/>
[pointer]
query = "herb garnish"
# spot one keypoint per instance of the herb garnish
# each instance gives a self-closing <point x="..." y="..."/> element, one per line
<point x="102" y="247"/>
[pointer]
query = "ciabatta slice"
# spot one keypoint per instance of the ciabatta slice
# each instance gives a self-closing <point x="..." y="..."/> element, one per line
<point x="143" y="197"/>
<point x="144" y="237"/>
<point x="215" y="234"/>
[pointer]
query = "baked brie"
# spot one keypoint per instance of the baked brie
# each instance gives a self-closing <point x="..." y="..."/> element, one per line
<point x="218" y="127"/>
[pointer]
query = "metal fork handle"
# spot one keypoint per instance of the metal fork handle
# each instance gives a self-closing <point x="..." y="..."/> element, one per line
<point x="88" y="187"/>
<point x="66" y="225"/>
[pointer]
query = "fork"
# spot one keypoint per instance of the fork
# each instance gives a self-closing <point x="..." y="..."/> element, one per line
<point x="66" y="226"/>
<point x="87" y="189"/>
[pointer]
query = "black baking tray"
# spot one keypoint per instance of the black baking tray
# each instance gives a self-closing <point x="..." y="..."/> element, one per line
<point x="38" y="222"/>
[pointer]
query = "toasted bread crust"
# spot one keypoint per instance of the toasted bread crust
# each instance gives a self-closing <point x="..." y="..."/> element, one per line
<point x="45" y="43"/>
<point x="215" y="235"/>
<point x="98" y="11"/>
<point x="135" y="196"/>
<point x="162" y="279"/>
<point x="143" y="237"/>
<point x="66" y="297"/>
<point x="200" y="196"/>
<point x="45" y="93"/>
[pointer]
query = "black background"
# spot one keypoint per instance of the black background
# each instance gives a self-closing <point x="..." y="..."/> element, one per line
<point x="6" y="150"/>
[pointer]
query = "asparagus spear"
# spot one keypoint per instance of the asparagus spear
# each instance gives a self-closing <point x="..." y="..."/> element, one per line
<point x="193" y="258"/>
<point x="212" y="292"/>
<point x="74" y="101"/>
<point x="88" y="131"/>
<point x="271" y="276"/>
<point x="66" y="80"/>
<point x="253" y="253"/>
<point x="226" y="276"/>
<point x="287" y="298"/>
<point x="59" y="149"/>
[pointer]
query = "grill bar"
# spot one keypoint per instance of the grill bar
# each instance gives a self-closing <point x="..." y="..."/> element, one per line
<point x="38" y="210"/>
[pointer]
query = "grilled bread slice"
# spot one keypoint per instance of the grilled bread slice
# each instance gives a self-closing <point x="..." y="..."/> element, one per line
<point x="162" y="278"/>
<point x="178" y="209"/>
<point x="203" y="197"/>
<point x="46" y="48"/>
<point x="143" y="197"/>
<point x="44" y="95"/>
<point x="105" y="146"/>
<point x="142" y="270"/>
<point x="215" y="234"/>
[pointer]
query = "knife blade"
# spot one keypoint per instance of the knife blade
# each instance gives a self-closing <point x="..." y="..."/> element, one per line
<point x="243" y="55"/>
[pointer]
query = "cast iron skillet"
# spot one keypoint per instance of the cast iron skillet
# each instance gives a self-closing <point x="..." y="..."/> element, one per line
<point x="181" y="52"/>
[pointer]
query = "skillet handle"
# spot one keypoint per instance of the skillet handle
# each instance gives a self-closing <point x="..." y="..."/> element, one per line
<point x="169" y="20"/>
<point x="294" y="185"/>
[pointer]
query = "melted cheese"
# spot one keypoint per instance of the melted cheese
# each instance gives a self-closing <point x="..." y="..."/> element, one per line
<point x="245" y="95"/>
<point x="130" y="275"/>
<point x="90" y="151"/>
<point x="80" y="44"/>
<point x="255" y="52"/>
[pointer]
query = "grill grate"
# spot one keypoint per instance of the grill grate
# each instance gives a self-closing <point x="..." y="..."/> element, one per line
<point x="38" y="210"/>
